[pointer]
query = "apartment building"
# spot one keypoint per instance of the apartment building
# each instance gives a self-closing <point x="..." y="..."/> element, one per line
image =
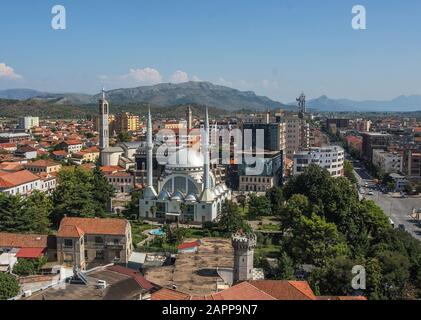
<point x="43" y="166"/>
<point x="89" y="242"/>
<point x="388" y="162"/>
<point x="19" y="183"/>
<point x="330" y="158"/>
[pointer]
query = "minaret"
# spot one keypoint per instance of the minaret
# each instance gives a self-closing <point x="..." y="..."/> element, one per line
<point x="207" y="195"/>
<point x="189" y="117"/>
<point x="149" y="192"/>
<point x="103" y="122"/>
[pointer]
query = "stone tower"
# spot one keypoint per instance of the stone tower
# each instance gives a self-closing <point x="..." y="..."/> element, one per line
<point x="103" y="122"/>
<point x="243" y="256"/>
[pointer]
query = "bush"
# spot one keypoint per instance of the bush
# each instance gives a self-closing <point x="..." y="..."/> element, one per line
<point x="9" y="286"/>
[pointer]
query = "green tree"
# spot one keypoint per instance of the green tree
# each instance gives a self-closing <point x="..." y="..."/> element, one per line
<point x="123" y="137"/>
<point x="297" y="206"/>
<point x="349" y="172"/>
<point x="132" y="210"/>
<point x="38" y="208"/>
<point x="102" y="191"/>
<point x="334" y="277"/>
<point x="313" y="241"/>
<point x="9" y="286"/>
<point x="276" y="199"/>
<point x="230" y="219"/>
<point x="74" y="195"/>
<point x="12" y="215"/>
<point x="259" y="206"/>
<point x="286" y="268"/>
<point x="28" y="267"/>
<point x="395" y="274"/>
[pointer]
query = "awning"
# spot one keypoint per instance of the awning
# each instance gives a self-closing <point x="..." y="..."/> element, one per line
<point x="30" y="253"/>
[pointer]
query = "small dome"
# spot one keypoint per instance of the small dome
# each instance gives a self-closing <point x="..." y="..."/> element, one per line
<point x="164" y="195"/>
<point x="224" y="186"/>
<point x="178" y="196"/>
<point x="191" y="198"/>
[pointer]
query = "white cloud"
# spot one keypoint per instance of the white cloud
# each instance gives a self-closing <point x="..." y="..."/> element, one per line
<point x="179" y="77"/>
<point x="146" y="75"/>
<point x="196" y="78"/>
<point x="8" y="72"/>
<point x="224" y="82"/>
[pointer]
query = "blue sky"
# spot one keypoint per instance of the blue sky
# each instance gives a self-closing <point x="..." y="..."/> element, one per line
<point x="276" y="48"/>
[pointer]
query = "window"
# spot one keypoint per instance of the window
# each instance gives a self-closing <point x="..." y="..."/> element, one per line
<point x="68" y="243"/>
<point x="99" y="255"/>
<point x="99" y="240"/>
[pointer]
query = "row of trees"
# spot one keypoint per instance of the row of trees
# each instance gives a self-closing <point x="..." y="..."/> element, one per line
<point x="80" y="193"/>
<point x="326" y="226"/>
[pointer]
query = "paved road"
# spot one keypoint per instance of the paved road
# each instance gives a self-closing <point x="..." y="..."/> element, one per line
<point x="398" y="209"/>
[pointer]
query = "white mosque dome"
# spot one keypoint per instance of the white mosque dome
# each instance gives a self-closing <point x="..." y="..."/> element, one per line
<point x="185" y="158"/>
<point x="177" y="196"/>
<point x="164" y="195"/>
<point x="191" y="198"/>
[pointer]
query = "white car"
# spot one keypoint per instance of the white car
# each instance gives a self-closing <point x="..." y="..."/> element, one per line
<point x="371" y="193"/>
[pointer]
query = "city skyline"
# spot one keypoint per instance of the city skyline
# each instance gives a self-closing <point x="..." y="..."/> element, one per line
<point x="276" y="48"/>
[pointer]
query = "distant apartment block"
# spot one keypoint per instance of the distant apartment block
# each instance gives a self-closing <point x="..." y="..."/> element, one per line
<point x="372" y="141"/>
<point x="330" y="158"/>
<point x="388" y="162"/>
<point x="28" y="123"/>
<point x="412" y="164"/>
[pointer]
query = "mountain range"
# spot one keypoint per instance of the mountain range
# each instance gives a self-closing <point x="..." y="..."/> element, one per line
<point x="164" y="95"/>
<point x="399" y="104"/>
<point x="217" y="96"/>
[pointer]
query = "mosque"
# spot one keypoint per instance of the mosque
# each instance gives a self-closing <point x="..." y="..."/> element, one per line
<point x="187" y="190"/>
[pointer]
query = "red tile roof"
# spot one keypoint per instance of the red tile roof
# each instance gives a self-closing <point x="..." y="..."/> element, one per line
<point x="15" y="240"/>
<point x="255" y="290"/>
<point x="42" y="163"/>
<point x="145" y="284"/>
<point x="75" y="226"/>
<point x="30" y="253"/>
<point x="169" y="295"/>
<point x="285" y="290"/>
<point x="17" y="178"/>
<point x="188" y="245"/>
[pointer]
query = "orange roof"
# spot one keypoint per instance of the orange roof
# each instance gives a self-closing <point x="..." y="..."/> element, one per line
<point x="72" y="142"/>
<point x="75" y="226"/>
<point x="286" y="290"/>
<point x="255" y="290"/>
<point x="109" y="169"/>
<point x="168" y="295"/>
<point x="59" y="153"/>
<point x="17" y="178"/>
<point x="30" y="253"/>
<point x="42" y="163"/>
<point x="15" y="240"/>
<point x="11" y="166"/>
<point x="241" y="291"/>
<point x="70" y="231"/>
